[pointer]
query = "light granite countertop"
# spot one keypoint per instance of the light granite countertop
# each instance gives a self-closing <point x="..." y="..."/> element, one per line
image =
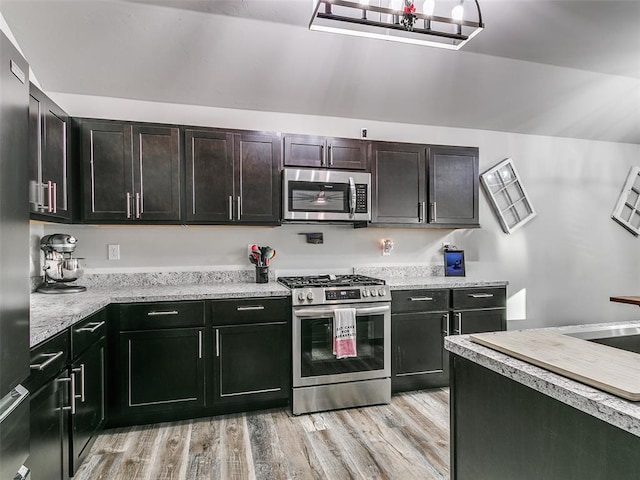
<point x="52" y="313"/>
<point x="406" y="283"/>
<point x="609" y="408"/>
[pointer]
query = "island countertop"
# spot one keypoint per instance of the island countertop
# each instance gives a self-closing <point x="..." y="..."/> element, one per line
<point x="607" y="407"/>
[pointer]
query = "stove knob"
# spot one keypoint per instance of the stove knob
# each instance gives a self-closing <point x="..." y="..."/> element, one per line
<point x="365" y="292"/>
<point x="301" y="297"/>
<point x="382" y="292"/>
<point x="374" y="292"/>
<point x="310" y="296"/>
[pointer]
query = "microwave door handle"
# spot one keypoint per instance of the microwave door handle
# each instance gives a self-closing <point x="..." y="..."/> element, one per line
<point x="352" y="196"/>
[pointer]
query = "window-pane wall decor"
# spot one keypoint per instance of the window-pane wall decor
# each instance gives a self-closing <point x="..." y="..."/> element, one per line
<point x="507" y="195"/>
<point x="627" y="210"/>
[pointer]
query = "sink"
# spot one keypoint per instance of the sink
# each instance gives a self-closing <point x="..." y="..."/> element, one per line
<point x="624" y="338"/>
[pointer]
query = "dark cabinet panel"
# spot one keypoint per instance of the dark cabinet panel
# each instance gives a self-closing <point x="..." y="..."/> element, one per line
<point x="232" y="177"/>
<point x="476" y="321"/>
<point x="310" y="151"/>
<point x="49" y="160"/>
<point x="453" y="185"/>
<point x="398" y="181"/>
<point x="251" y="362"/>
<point x="131" y="172"/>
<point x="88" y="387"/>
<point x="162" y="370"/>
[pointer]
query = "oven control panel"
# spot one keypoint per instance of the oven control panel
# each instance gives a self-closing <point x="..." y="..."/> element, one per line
<point x="322" y="296"/>
<point x="347" y="294"/>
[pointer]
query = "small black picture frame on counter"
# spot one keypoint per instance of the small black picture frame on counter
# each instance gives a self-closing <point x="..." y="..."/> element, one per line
<point x="454" y="263"/>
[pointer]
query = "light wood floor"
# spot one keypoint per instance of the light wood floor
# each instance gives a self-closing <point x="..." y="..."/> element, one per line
<point x="408" y="439"/>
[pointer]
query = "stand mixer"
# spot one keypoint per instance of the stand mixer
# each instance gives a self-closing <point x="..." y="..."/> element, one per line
<point x="60" y="267"/>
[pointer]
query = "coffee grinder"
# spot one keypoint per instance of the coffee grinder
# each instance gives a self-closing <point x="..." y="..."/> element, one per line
<point x="60" y="267"/>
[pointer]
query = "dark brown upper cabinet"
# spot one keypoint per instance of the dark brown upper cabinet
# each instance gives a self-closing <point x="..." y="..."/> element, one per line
<point x="49" y="165"/>
<point x="424" y="185"/>
<point x="232" y="177"/>
<point x="131" y="172"/>
<point x="324" y="152"/>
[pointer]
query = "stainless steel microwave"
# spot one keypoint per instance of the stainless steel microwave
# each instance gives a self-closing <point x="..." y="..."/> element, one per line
<point x="323" y="194"/>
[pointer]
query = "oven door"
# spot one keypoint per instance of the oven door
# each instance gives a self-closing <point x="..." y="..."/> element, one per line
<point x="313" y="360"/>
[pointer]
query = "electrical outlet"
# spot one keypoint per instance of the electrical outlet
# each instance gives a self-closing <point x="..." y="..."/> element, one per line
<point x="363" y="133"/>
<point x="114" y="252"/>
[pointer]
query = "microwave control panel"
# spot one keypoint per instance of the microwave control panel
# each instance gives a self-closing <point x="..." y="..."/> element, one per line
<point x="361" y="198"/>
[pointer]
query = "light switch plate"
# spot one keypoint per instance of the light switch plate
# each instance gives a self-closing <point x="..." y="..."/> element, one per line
<point x="113" y="252"/>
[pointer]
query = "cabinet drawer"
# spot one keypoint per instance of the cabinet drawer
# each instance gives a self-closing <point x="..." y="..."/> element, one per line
<point x="87" y="332"/>
<point x="144" y="316"/>
<point x="419" y="301"/>
<point x="255" y="310"/>
<point x="471" y="298"/>
<point x="48" y="359"/>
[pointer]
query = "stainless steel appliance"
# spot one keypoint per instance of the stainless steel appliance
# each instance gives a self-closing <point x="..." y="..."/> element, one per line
<point x="14" y="259"/>
<point x="321" y="381"/>
<point x="322" y="194"/>
<point x="60" y="267"/>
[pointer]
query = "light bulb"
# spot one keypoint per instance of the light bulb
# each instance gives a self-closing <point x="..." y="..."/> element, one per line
<point x="458" y="12"/>
<point x="428" y="7"/>
<point x="396" y="4"/>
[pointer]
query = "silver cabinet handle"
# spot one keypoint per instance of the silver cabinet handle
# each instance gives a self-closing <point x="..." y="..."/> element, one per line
<point x="23" y="473"/>
<point x="128" y="205"/>
<point x="72" y="406"/>
<point x="239" y="208"/>
<point x="217" y="342"/>
<point x="447" y="330"/>
<point x="54" y="195"/>
<point x="81" y="370"/>
<point x="72" y="396"/>
<point x="50" y="358"/>
<point x="50" y="196"/>
<point x="250" y="307"/>
<point x="480" y="295"/>
<point x="433" y="211"/>
<point x="330" y="155"/>
<point x="230" y="207"/>
<point x="421" y="212"/>
<point x="162" y="312"/>
<point x="322" y="155"/>
<point x="199" y="343"/>
<point x="18" y="395"/>
<point x="91" y="327"/>
<point x="421" y="299"/>
<point x="458" y="331"/>
<point x="138" y="209"/>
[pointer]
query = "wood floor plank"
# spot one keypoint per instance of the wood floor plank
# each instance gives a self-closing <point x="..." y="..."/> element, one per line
<point x="407" y="439"/>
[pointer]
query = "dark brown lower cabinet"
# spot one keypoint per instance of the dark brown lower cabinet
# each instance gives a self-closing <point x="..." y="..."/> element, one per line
<point x="251" y="363"/>
<point x="476" y="321"/>
<point x="88" y="387"/>
<point x="504" y="430"/>
<point x="162" y="371"/>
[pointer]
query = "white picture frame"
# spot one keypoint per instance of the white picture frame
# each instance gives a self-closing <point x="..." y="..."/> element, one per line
<point x="627" y="209"/>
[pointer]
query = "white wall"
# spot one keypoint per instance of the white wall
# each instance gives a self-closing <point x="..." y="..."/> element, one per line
<point x="561" y="267"/>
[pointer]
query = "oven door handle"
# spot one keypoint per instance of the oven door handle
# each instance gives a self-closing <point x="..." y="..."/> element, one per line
<point x="328" y="311"/>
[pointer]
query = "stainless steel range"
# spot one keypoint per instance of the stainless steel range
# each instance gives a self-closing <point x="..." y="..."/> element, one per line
<point x="321" y="379"/>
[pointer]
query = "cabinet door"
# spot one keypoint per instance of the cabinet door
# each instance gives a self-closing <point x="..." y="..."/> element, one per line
<point x="346" y="153"/>
<point x="209" y="173"/>
<point x="106" y="171"/>
<point x="251" y="362"/>
<point x="49" y="433"/>
<point x="257" y="184"/>
<point x="453" y="185"/>
<point x="476" y="321"/>
<point x="304" y="151"/>
<point x="88" y="373"/>
<point x="163" y="370"/>
<point x="418" y="350"/>
<point x="398" y="182"/>
<point x="156" y="173"/>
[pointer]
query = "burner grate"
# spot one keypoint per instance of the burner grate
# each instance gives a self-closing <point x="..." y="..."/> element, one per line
<point x="329" y="281"/>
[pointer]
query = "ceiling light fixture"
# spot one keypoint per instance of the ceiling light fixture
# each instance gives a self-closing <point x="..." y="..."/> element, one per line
<point x="399" y="21"/>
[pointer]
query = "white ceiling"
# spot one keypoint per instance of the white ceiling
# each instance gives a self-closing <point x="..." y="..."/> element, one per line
<point x="550" y="67"/>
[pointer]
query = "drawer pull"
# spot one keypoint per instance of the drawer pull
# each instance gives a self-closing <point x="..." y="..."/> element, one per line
<point x="250" y="307"/>
<point x="481" y="295"/>
<point x="161" y="312"/>
<point x="91" y="327"/>
<point x="51" y="357"/>
<point x="421" y="299"/>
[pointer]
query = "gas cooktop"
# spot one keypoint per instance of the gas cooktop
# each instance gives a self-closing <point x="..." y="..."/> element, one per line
<point x="315" y="281"/>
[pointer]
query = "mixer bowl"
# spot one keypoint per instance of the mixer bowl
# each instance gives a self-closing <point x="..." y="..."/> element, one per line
<point x="65" y="269"/>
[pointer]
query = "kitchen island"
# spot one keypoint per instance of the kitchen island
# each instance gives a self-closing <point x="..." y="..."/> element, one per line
<point x="513" y="420"/>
